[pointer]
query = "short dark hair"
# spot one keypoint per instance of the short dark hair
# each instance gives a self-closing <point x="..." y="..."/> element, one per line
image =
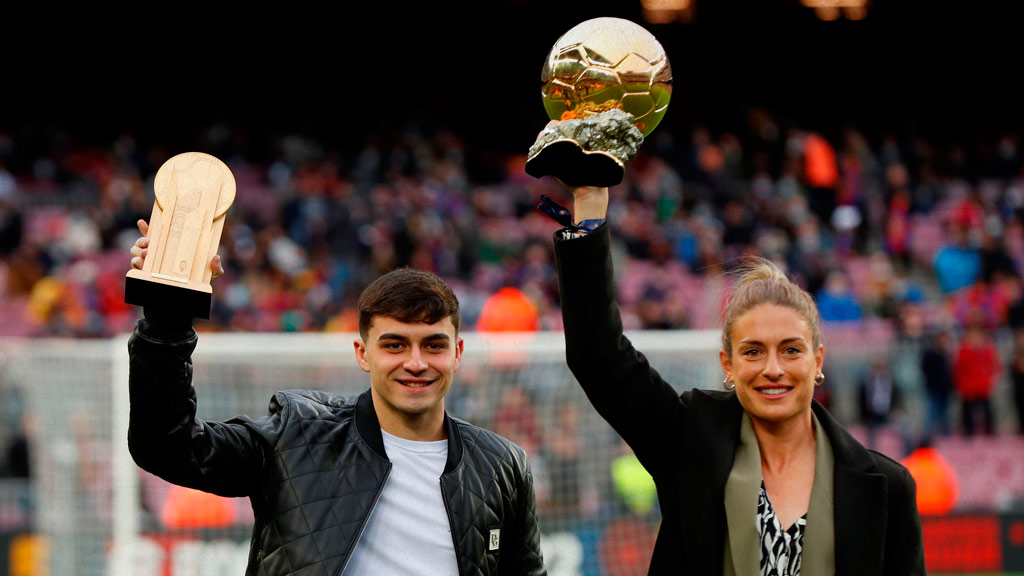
<point x="408" y="295"/>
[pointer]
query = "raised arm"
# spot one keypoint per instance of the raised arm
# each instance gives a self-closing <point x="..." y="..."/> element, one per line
<point x="164" y="435"/>
<point x="617" y="379"/>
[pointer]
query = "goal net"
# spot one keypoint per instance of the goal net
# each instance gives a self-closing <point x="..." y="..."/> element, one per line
<point x="101" y="515"/>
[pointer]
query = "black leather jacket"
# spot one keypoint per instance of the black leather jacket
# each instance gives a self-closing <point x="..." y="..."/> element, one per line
<point x="314" y="467"/>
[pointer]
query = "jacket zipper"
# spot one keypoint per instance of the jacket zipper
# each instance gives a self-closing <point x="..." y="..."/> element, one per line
<point x="362" y="526"/>
<point x="451" y="527"/>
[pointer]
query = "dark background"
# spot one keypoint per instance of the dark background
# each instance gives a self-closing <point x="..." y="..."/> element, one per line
<point x="357" y="71"/>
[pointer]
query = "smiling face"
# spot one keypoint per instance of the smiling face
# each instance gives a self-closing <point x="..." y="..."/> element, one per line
<point x="411" y="366"/>
<point x="773" y="363"/>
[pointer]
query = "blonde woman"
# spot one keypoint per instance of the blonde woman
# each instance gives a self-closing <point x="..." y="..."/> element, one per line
<point x="757" y="478"/>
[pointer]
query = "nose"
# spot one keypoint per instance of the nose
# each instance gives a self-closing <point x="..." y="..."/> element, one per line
<point x="414" y="362"/>
<point x="773" y="368"/>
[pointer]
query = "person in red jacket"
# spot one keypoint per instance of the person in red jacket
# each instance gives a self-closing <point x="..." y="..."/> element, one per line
<point x="976" y="369"/>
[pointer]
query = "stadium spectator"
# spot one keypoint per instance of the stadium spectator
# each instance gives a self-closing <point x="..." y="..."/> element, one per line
<point x="995" y="259"/>
<point x="836" y="300"/>
<point x="561" y="503"/>
<point x="987" y="301"/>
<point x="662" y="305"/>
<point x="821" y="174"/>
<point x="897" y="226"/>
<point x="319" y="462"/>
<point x="936" y="368"/>
<point x="316" y="223"/>
<point x="633" y="484"/>
<point x="957" y="264"/>
<point x="976" y="367"/>
<point x="15" y="461"/>
<point x="515" y="418"/>
<point x="756" y="449"/>
<point x="1017" y="377"/>
<point x="879" y="400"/>
<point x="937" y="485"/>
<point x="12" y="223"/>
<point x="508" y="310"/>
<point x="185" y="508"/>
<point x="1014" y="289"/>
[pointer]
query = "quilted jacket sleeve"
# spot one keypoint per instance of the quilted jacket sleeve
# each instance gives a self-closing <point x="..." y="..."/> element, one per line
<point x="528" y="560"/>
<point x="164" y="435"/>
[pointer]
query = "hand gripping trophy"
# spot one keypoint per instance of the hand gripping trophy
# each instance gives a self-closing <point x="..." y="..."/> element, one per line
<point x="193" y="193"/>
<point x="609" y="80"/>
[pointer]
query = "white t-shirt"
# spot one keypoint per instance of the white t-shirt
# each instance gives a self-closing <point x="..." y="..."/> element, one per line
<point x="408" y="532"/>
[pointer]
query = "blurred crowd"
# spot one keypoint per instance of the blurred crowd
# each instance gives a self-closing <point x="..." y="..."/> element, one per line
<point x="915" y="239"/>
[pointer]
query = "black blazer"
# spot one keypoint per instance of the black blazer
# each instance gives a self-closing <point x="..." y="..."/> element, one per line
<point x="687" y="442"/>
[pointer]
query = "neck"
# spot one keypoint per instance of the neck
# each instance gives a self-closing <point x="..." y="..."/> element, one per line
<point x="782" y="443"/>
<point x="420" y="427"/>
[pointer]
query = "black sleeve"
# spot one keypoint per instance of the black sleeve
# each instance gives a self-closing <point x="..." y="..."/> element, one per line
<point x="164" y="435"/>
<point x="527" y="560"/>
<point x="904" y="554"/>
<point x="622" y="386"/>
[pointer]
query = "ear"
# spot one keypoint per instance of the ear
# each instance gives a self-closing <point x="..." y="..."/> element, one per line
<point x="458" y="353"/>
<point x="726" y="362"/>
<point x="820" y="358"/>
<point x="360" y="347"/>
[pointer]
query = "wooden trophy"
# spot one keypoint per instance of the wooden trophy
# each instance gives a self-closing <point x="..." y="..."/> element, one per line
<point x="193" y="192"/>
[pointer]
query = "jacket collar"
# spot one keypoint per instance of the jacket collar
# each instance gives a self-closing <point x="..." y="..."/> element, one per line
<point x="369" y="429"/>
<point x="819" y="535"/>
<point x="847" y="450"/>
<point x="861" y="502"/>
<point x="742" y="491"/>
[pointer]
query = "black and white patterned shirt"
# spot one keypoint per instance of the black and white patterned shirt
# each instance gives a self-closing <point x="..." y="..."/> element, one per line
<point x="781" y="550"/>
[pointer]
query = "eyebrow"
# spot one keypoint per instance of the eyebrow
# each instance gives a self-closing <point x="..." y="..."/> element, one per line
<point x="404" y="338"/>
<point x="783" y="342"/>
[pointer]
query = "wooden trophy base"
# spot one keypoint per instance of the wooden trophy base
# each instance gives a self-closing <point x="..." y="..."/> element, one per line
<point x="144" y="289"/>
<point x="566" y="160"/>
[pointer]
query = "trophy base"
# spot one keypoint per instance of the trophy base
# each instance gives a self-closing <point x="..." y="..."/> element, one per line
<point x="145" y="289"/>
<point x="566" y="160"/>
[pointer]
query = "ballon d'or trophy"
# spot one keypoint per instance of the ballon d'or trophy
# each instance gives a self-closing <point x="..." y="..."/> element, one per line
<point x="193" y="192"/>
<point x="609" y="80"/>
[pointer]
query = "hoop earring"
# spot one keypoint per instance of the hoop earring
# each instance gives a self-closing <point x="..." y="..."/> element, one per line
<point x="819" y="379"/>
<point x="728" y="384"/>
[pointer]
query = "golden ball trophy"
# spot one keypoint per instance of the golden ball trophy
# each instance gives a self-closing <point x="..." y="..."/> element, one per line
<point x="193" y="193"/>
<point x="609" y="80"/>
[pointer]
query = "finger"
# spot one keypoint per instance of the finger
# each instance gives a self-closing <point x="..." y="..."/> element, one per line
<point x="142" y="242"/>
<point x="143" y="227"/>
<point x="216" y="266"/>
<point x="137" y="262"/>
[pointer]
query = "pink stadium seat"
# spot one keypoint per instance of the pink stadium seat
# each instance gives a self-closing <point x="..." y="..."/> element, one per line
<point x="990" y="469"/>
<point x="858" y="270"/>
<point x="887" y="440"/>
<point x="15" y="323"/>
<point x="926" y="236"/>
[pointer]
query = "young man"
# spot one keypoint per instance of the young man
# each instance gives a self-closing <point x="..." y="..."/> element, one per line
<point x="383" y="483"/>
